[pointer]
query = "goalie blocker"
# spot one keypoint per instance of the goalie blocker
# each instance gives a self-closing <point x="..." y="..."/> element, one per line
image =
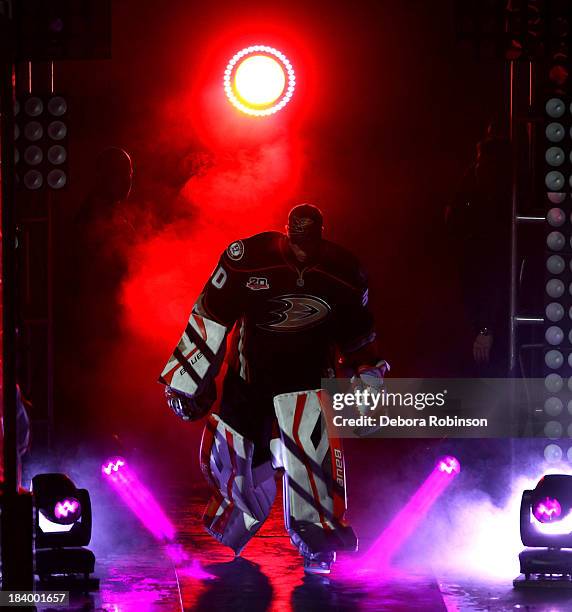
<point x="190" y="373"/>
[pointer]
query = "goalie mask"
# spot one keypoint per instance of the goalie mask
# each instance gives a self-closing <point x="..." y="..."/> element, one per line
<point x="305" y="228"/>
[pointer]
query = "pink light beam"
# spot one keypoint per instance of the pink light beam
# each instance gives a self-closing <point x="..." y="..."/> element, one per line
<point x="408" y="518"/>
<point x="138" y="498"/>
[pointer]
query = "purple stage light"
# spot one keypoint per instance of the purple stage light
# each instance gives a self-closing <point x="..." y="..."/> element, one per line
<point x="113" y="465"/>
<point x="67" y="509"/>
<point x="547" y="510"/>
<point x="408" y="518"/>
<point x="449" y="465"/>
<point x="138" y="498"/>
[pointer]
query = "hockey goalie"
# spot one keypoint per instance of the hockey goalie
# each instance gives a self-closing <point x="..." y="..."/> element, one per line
<point x="289" y="310"/>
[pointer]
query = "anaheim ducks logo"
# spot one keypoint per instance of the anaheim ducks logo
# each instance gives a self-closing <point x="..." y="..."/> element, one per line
<point x="296" y="312"/>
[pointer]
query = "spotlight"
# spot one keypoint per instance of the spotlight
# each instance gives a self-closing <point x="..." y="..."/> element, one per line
<point x="57" y="106"/>
<point x="57" y="130"/>
<point x="555" y="132"/>
<point x="42" y="123"/>
<point x="57" y="155"/>
<point x="57" y="179"/>
<point x="449" y="465"/>
<point x="546" y="528"/>
<point x="259" y="80"/>
<point x="33" y="131"/>
<point x="33" y="155"/>
<point x="555" y="107"/>
<point x="34" y="106"/>
<point x="62" y="529"/>
<point x="33" y="179"/>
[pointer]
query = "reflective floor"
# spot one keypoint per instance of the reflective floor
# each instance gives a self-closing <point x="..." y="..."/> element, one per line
<point x="138" y="573"/>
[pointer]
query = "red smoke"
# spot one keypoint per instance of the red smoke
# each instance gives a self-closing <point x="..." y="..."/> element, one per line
<point x="246" y="175"/>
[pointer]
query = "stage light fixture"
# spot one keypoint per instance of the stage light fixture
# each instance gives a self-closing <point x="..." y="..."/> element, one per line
<point x="33" y="131"/>
<point x="57" y="106"/>
<point x="554" y="156"/>
<point x="57" y="179"/>
<point x="57" y="130"/>
<point x="546" y="528"/>
<point x="33" y="155"/>
<point x="556" y="217"/>
<point x="33" y="180"/>
<point x="555" y="264"/>
<point x="43" y="126"/>
<point x="34" y="106"/>
<point x="62" y="529"/>
<point x="553" y="406"/>
<point x="555" y="132"/>
<point x="554" y="312"/>
<point x="259" y="80"/>
<point x="57" y="155"/>
<point x="555" y="108"/>
<point x="556" y="197"/>
<point x="552" y="452"/>
<point x="554" y="335"/>
<point x="555" y="241"/>
<point x="554" y="422"/>
<point x="554" y="359"/>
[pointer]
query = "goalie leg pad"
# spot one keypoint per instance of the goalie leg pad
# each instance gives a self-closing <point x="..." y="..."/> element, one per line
<point x="242" y="495"/>
<point x="314" y="474"/>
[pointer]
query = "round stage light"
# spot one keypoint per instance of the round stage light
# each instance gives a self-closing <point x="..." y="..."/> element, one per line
<point x="547" y="510"/>
<point x="555" y="107"/>
<point x="33" y="179"/>
<point x="555" y="241"/>
<point x="57" y="155"/>
<point x="67" y="510"/>
<point x="555" y="288"/>
<point x="259" y="80"/>
<point x="555" y="264"/>
<point x="57" y="130"/>
<point x="553" y="430"/>
<point x="554" y="156"/>
<point x="34" y="107"/>
<point x="553" y="406"/>
<point x="554" y="335"/>
<point x="554" y="180"/>
<point x="57" y="106"/>
<point x="33" y="155"/>
<point x="555" y="132"/>
<point x="554" y="359"/>
<point x="449" y="465"/>
<point x="554" y="383"/>
<point x="556" y="217"/>
<point x="556" y="197"/>
<point x="554" y="312"/>
<point x="552" y="453"/>
<point x="57" y="179"/>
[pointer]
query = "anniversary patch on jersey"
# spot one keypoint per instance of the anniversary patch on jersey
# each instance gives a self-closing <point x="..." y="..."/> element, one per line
<point x="296" y="312"/>
<point x="256" y="283"/>
<point x="236" y="250"/>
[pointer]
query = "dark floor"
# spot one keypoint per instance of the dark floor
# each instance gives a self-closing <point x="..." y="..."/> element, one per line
<point x="196" y="573"/>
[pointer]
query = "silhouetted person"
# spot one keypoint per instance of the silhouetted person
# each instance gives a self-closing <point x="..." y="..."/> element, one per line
<point x="479" y="222"/>
<point x="94" y="269"/>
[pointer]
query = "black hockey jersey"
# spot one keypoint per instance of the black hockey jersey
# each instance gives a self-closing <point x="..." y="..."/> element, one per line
<point x="289" y="318"/>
